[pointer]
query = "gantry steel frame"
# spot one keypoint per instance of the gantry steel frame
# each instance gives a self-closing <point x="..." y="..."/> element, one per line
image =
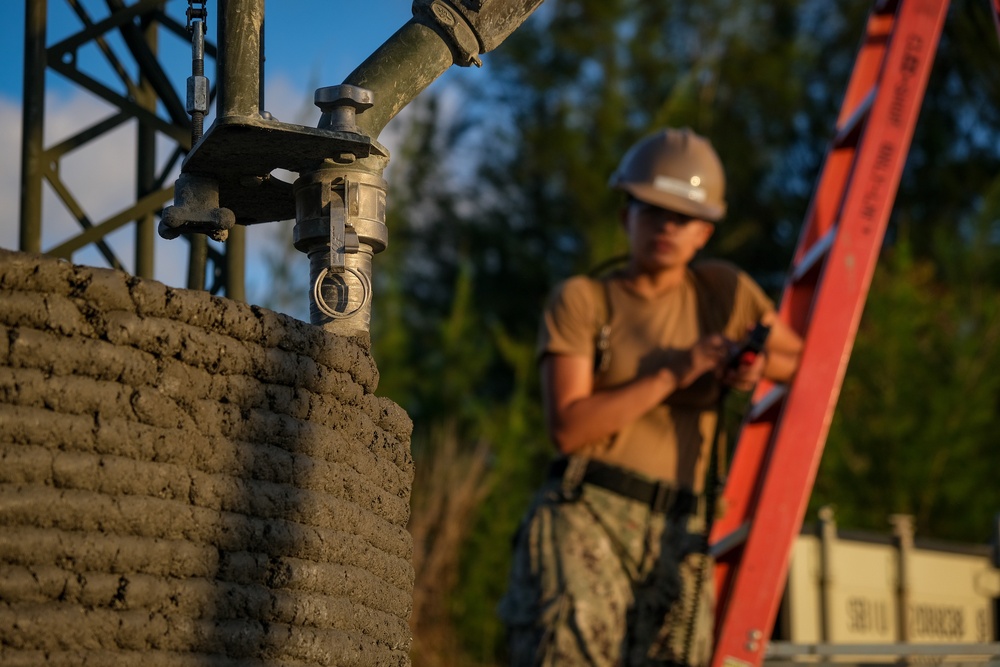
<point x="158" y="109"/>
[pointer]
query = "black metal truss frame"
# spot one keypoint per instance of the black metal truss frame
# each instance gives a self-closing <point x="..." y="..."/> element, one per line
<point x="138" y="25"/>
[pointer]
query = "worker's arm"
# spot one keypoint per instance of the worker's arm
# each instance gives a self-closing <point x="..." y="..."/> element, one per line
<point x="576" y="414"/>
<point x="783" y="348"/>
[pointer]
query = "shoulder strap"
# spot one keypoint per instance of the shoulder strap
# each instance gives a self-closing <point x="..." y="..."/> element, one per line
<point x="716" y="284"/>
<point x="602" y="325"/>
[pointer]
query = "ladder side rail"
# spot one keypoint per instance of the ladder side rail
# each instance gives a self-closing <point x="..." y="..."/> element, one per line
<point x="796" y="300"/>
<point x="754" y="441"/>
<point x="828" y="195"/>
<point x="751" y="450"/>
<point x="868" y="63"/>
<point x="757" y="585"/>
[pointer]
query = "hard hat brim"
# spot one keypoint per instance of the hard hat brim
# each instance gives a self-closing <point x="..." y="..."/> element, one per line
<point x="673" y="202"/>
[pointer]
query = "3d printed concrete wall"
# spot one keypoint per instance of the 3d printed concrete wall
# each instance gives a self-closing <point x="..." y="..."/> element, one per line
<point x="185" y="480"/>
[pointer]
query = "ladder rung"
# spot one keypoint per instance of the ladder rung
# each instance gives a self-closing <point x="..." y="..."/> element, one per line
<point x="850" y="130"/>
<point x="730" y="541"/>
<point x="770" y="399"/>
<point x="815" y="253"/>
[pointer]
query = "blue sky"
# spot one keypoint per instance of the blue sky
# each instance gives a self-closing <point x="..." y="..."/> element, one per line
<point x="303" y="36"/>
<point x="309" y="43"/>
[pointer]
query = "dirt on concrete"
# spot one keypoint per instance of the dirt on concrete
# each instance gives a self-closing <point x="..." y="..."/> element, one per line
<point x="187" y="480"/>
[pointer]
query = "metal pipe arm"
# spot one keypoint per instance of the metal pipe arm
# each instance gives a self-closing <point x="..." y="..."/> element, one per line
<point x="440" y="34"/>
<point x="397" y="72"/>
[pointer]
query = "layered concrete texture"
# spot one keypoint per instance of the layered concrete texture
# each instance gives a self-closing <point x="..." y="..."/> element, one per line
<point x="189" y="481"/>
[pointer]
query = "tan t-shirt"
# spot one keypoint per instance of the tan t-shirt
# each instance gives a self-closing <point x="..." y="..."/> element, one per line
<point x="671" y="441"/>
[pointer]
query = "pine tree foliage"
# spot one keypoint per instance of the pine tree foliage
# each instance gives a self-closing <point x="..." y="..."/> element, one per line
<point x="916" y="426"/>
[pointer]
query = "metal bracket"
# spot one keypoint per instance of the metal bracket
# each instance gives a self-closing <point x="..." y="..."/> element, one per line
<point x="196" y="210"/>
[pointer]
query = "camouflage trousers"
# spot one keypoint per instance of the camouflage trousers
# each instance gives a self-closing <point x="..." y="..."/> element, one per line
<point x="599" y="580"/>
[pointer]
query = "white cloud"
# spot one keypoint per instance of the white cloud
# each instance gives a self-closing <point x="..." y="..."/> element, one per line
<point x="100" y="177"/>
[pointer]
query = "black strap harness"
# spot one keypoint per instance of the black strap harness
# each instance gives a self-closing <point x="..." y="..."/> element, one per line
<point x="660" y="497"/>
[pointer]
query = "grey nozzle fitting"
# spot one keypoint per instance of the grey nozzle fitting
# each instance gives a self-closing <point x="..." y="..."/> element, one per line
<point x="341" y="104"/>
<point x="340" y="225"/>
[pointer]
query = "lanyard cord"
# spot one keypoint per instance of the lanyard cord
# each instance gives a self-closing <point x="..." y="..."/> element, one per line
<point x="712" y="488"/>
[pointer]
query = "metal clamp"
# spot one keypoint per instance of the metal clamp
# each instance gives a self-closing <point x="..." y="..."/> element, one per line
<point x="343" y="240"/>
<point x="463" y="39"/>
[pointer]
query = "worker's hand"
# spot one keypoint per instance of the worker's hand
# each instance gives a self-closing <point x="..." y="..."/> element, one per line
<point x="707" y="356"/>
<point x="746" y="373"/>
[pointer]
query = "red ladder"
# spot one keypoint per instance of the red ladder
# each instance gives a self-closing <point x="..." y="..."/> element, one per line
<point x="779" y="449"/>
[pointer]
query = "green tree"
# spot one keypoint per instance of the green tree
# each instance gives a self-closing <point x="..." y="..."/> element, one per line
<point x="915" y="430"/>
<point x="954" y="161"/>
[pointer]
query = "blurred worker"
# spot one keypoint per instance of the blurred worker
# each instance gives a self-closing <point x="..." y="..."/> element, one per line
<point x="607" y="559"/>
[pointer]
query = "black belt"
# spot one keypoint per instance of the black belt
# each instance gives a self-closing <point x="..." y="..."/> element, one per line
<point x="659" y="496"/>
